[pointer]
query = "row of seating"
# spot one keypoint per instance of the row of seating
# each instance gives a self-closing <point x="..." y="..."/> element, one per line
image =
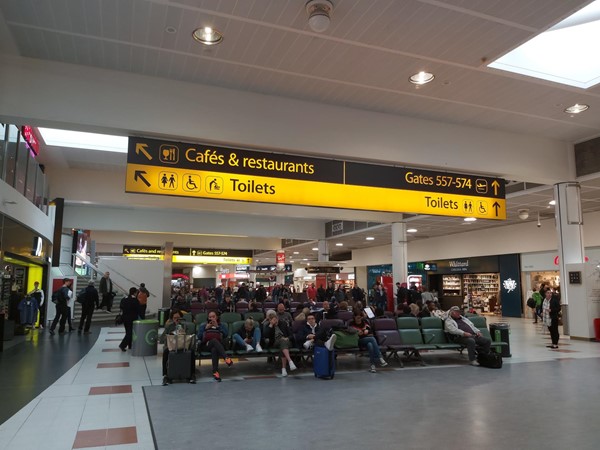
<point x="397" y="337"/>
<point x="241" y="306"/>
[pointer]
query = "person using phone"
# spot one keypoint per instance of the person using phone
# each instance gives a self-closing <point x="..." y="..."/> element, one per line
<point x="211" y="336"/>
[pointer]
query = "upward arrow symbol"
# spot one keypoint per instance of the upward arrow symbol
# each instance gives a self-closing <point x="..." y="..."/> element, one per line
<point x="495" y="185"/>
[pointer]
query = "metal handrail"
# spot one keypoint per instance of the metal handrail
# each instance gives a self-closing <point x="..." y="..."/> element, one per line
<point x="83" y="258"/>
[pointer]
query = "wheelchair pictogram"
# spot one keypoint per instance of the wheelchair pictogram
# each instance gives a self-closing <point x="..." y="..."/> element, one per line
<point x="482" y="207"/>
<point x="191" y="182"/>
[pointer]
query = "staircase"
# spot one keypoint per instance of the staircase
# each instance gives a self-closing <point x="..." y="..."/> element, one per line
<point x="100" y="316"/>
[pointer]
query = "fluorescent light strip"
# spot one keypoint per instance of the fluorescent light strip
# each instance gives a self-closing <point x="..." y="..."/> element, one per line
<point x="80" y="139"/>
<point x="189" y="234"/>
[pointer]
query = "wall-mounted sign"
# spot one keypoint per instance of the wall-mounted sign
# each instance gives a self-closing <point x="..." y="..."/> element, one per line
<point x="193" y="170"/>
<point x="272" y="268"/>
<point x="31" y="139"/>
<point x="327" y="269"/>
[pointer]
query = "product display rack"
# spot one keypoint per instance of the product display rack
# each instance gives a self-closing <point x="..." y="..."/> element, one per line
<point x="451" y="285"/>
<point x="481" y="284"/>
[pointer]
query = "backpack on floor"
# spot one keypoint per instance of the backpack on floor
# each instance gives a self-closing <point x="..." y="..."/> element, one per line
<point x="491" y="360"/>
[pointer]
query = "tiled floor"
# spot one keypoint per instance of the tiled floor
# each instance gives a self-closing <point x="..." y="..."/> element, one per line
<point x="99" y="402"/>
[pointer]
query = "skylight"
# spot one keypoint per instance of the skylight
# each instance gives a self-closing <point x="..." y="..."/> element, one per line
<point x="566" y="53"/>
<point x="79" y="139"/>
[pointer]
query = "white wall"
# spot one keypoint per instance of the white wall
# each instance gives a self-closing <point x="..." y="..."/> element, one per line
<point x="521" y="238"/>
<point x="124" y="272"/>
<point x="60" y="95"/>
<point x="17" y="207"/>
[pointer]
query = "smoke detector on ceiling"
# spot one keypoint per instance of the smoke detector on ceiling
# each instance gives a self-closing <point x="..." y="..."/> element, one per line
<point x="319" y="14"/>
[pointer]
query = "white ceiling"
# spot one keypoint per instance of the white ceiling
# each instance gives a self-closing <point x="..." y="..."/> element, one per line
<point x="362" y="61"/>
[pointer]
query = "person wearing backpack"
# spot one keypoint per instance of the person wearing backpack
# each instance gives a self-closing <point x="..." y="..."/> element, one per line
<point x="62" y="297"/>
<point x="142" y="297"/>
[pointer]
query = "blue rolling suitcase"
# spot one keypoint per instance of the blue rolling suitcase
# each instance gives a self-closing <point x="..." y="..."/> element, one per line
<point x="324" y="363"/>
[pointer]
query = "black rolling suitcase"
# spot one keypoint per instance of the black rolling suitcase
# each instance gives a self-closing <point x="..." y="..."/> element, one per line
<point x="179" y="365"/>
<point x="491" y="360"/>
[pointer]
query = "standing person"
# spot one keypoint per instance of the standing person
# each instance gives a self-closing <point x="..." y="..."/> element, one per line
<point x="311" y="293"/>
<point x="537" y="309"/>
<point x="38" y="294"/>
<point x="62" y="307"/>
<point x="106" y="291"/>
<point x="88" y="300"/>
<point x="129" y="312"/>
<point x="142" y="297"/>
<point x="551" y="310"/>
<point x="379" y="296"/>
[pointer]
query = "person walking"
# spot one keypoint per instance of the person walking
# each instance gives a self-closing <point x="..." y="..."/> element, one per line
<point x="129" y="312"/>
<point x="537" y="308"/>
<point x="88" y="299"/>
<point x="106" y="291"/>
<point x="62" y="307"/>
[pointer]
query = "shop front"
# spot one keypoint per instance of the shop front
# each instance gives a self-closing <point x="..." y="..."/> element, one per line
<point x="488" y="284"/>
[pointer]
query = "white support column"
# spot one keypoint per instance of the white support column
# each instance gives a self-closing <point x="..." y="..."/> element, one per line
<point x="167" y="274"/>
<point x="323" y="255"/>
<point x="399" y="254"/>
<point x="569" y="221"/>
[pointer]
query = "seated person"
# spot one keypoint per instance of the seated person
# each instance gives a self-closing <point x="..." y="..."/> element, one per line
<point x="303" y="314"/>
<point x="253" y="307"/>
<point x="415" y="310"/>
<point x="277" y="335"/>
<point x="329" y="311"/>
<point x="180" y="304"/>
<point x="283" y="315"/>
<point x="309" y="332"/>
<point x="465" y="333"/>
<point x="248" y="336"/>
<point x="403" y="310"/>
<point x="211" y="336"/>
<point x="227" y="304"/>
<point x="174" y="326"/>
<point x="367" y="340"/>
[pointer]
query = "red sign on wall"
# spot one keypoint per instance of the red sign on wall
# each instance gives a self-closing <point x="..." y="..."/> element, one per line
<point x="31" y="139"/>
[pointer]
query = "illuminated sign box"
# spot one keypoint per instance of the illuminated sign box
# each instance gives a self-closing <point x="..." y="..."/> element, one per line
<point x="193" y="170"/>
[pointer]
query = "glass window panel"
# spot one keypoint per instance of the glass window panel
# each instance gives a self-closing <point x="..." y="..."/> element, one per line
<point x="3" y="137"/>
<point x="38" y="198"/>
<point x="21" y="168"/>
<point x="30" y="180"/>
<point x="11" y="155"/>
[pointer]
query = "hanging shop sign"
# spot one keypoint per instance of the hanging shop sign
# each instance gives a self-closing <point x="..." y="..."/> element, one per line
<point x="327" y="269"/>
<point x="194" y="170"/>
<point x="191" y="255"/>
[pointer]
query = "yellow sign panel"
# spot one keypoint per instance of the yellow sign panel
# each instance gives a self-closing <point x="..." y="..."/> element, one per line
<point x="211" y="259"/>
<point x="162" y="180"/>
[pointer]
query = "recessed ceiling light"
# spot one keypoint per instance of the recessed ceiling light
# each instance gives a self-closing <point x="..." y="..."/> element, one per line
<point x="308" y="264"/>
<point x="577" y="108"/>
<point x="339" y="244"/>
<point x="207" y="36"/>
<point x="296" y="253"/>
<point x="552" y="202"/>
<point x="305" y="259"/>
<point x="470" y="219"/>
<point x="291" y="261"/>
<point x="171" y="30"/>
<point x="370" y="238"/>
<point x="411" y="230"/>
<point x="421" y="78"/>
<point x="315" y="249"/>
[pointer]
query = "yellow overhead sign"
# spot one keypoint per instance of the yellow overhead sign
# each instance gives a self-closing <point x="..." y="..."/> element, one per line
<point x="189" y="170"/>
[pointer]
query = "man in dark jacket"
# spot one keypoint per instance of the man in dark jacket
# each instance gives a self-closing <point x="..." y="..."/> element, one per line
<point x="106" y="291"/>
<point x="129" y="312"/>
<point x="88" y="299"/>
<point x="62" y="306"/>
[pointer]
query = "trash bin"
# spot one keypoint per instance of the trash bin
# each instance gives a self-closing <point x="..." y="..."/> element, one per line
<point x="163" y="316"/>
<point x="500" y="332"/>
<point x="145" y="337"/>
<point x="597" y="329"/>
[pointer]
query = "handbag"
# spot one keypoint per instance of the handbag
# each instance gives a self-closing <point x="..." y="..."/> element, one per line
<point x="119" y="319"/>
<point x="179" y="342"/>
<point x="346" y="339"/>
